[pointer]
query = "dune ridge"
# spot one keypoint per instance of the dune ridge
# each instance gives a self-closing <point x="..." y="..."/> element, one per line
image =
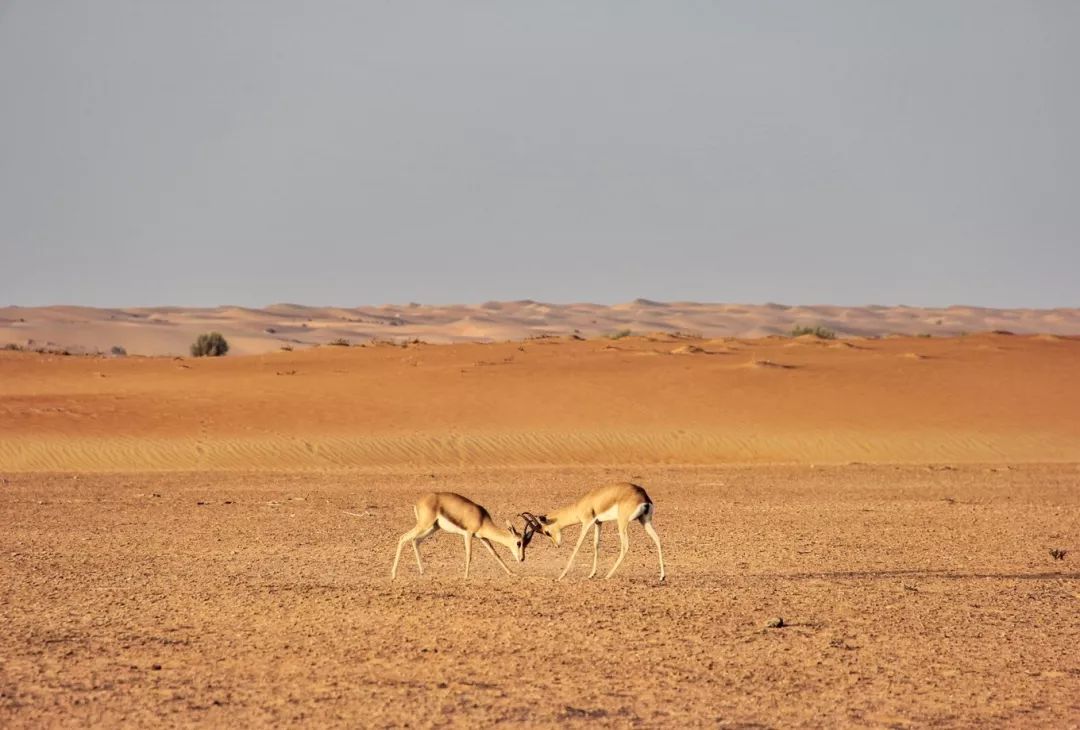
<point x="170" y="330"/>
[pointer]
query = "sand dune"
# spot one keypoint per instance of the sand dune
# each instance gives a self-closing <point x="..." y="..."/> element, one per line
<point x="637" y="400"/>
<point x="170" y="330"/>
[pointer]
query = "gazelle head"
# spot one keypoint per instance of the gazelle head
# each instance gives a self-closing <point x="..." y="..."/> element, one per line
<point x="519" y="541"/>
<point x="543" y="525"/>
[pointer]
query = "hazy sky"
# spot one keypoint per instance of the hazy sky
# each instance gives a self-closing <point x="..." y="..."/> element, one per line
<point x="255" y="151"/>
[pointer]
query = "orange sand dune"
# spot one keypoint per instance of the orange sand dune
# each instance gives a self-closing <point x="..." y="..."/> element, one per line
<point x="635" y="400"/>
<point x="170" y="330"/>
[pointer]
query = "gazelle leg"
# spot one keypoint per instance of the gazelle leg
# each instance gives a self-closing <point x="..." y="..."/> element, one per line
<point x="595" y="548"/>
<point x="624" y="546"/>
<point x="416" y="552"/>
<point x="656" y="538"/>
<point x="487" y="544"/>
<point x="468" y="552"/>
<point x="581" y="539"/>
<point x="407" y="537"/>
<point x="424" y="535"/>
<point x="416" y="535"/>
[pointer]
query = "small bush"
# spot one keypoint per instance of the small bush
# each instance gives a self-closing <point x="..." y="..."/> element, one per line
<point x="1058" y="554"/>
<point x="13" y="347"/>
<point x="286" y="348"/>
<point x="823" y="332"/>
<point x="117" y="351"/>
<point x="340" y="342"/>
<point x="620" y="334"/>
<point x="211" y="344"/>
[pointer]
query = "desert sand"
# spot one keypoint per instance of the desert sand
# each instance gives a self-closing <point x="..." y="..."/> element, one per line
<point x="171" y="330"/>
<point x="551" y="401"/>
<point x="177" y="546"/>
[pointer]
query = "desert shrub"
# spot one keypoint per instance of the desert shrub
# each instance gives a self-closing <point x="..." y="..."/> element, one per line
<point x="286" y="348"/>
<point x="823" y="332"/>
<point x="210" y="344"/>
<point x="117" y="351"/>
<point x="13" y="347"/>
<point x="340" y="342"/>
<point x="1058" y="553"/>
<point x="620" y="334"/>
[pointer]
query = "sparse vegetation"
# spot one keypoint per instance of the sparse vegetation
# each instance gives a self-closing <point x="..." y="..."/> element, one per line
<point x="14" y="347"/>
<point x="618" y="335"/>
<point x="924" y="334"/>
<point x="340" y="342"/>
<point x="818" y="331"/>
<point x="210" y="344"/>
<point x="117" y="351"/>
<point x="1058" y="553"/>
<point x="286" y="348"/>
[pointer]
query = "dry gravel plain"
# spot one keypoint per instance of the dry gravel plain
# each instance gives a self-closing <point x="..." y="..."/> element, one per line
<point x="912" y="596"/>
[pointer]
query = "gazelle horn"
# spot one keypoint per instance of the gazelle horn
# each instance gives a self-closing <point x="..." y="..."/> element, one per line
<point x="531" y="526"/>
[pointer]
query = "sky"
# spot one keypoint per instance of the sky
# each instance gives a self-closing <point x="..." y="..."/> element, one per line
<point x="247" y="152"/>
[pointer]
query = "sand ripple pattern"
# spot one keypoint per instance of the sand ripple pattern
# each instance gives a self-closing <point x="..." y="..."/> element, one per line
<point x="423" y="450"/>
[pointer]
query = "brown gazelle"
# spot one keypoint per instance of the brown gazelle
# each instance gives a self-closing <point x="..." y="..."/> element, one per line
<point x="622" y="503"/>
<point x="461" y="516"/>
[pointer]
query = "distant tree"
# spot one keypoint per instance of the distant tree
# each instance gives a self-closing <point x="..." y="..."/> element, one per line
<point x="211" y="344"/>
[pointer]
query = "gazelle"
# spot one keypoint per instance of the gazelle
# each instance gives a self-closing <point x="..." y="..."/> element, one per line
<point x="622" y="503"/>
<point x="461" y="516"/>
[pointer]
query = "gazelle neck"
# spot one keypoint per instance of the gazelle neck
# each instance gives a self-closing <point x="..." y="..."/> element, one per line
<point x="563" y="517"/>
<point x="497" y="534"/>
